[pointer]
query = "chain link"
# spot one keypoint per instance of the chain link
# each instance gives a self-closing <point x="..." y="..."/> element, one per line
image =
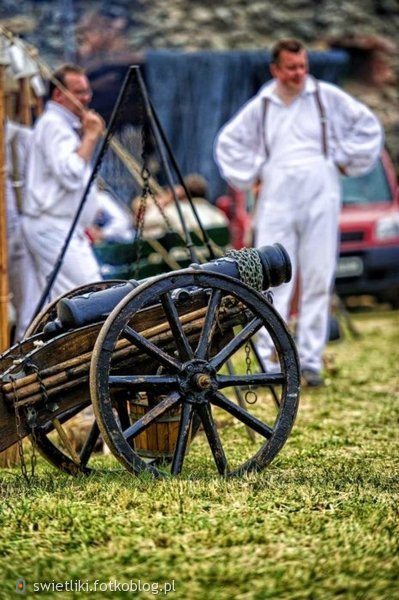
<point x="250" y="271"/>
<point x="249" y="266"/>
<point x="269" y="296"/>
<point x="146" y="192"/>
<point x="250" y="395"/>
<point x="35" y="369"/>
<point x="18" y="425"/>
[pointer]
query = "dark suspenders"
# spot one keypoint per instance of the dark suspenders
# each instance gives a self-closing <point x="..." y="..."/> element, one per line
<point x="266" y="102"/>
<point x="323" y="122"/>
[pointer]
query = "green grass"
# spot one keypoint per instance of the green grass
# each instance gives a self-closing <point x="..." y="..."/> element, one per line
<point x="320" y="522"/>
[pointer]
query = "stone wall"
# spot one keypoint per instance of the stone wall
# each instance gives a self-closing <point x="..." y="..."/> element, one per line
<point x="199" y="24"/>
<point x="368" y="29"/>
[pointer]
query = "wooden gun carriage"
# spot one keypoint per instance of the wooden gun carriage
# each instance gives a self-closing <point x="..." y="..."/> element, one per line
<point x="169" y="365"/>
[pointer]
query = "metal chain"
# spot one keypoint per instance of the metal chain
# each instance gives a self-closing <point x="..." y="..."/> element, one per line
<point x="21" y="454"/>
<point x="33" y="456"/>
<point x="162" y="212"/>
<point x="31" y="366"/>
<point x="143" y="205"/>
<point x="250" y="395"/>
<point x="249" y="266"/>
<point x="146" y="192"/>
<point x="35" y="369"/>
<point x="269" y="296"/>
<point x="251" y="273"/>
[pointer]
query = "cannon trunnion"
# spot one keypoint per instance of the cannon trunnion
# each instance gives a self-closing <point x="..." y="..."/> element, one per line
<point x="169" y="365"/>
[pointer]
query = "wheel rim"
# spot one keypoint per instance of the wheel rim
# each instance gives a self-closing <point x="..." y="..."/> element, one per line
<point x="50" y="445"/>
<point x="186" y="372"/>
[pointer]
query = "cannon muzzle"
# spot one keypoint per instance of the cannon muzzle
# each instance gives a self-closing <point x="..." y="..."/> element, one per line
<point x="271" y="264"/>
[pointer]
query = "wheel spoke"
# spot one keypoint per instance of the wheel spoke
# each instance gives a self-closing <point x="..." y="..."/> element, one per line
<point x="151" y="349"/>
<point x="65" y="441"/>
<point x="212" y="435"/>
<point x="184" y="348"/>
<point x="182" y="438"/>
<point x="157" y="411"/>
<point x="242" y="415"/>
<point x="256" y="379"/>
<point x="239" y="340"/>
<point x="64" y="417"/>
<point x="143" y="382"/>
<point x="89" y="445"/>
<point x="209" y="324"/>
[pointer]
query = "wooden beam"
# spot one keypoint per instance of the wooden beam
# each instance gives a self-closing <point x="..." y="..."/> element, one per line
<point x="9" y="457"/>
<point x="4" y="291"/>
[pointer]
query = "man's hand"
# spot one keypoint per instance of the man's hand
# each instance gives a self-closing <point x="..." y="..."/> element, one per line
<point x="93" y="127"/>
<point x="92" y="124"/>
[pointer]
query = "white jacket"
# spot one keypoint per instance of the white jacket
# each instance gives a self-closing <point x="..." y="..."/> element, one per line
<point x="293" y="134"/>
<point x="56" y="175"/>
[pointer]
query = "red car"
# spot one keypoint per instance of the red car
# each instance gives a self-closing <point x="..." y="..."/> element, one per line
<point x="369" y="228"/>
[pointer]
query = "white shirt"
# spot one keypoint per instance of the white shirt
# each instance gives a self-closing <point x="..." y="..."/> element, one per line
<point x="21" y="136"/>
<point x="56" y="175"/>
<point x="293" y="134"/>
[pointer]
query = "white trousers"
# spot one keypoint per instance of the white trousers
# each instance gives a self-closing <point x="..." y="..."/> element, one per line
<point x="299" y="208"/>
<point x="45" y="237"/>
<point x="23" y="282"/>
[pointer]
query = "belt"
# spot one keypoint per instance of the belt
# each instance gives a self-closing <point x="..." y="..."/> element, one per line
<point x="45" y="214"/>
<point x="25" y="214"/>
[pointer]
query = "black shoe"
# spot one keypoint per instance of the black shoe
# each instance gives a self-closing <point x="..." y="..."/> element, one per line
<point x="311" y="378"/>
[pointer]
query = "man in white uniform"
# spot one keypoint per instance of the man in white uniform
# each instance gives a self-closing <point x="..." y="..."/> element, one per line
<point x="296" y="137"/>
<point x="24" y="287"/>
<point x="63" y="142"/>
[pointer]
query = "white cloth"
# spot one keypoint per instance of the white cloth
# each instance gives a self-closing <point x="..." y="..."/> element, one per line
<point x="56" y="180"/>
<point x="156" y="225"/>
<point x="46" y="238"/>
<point x="115" y="220"/>
<point x="24" y="286"/>
<point x="299" y="200"/>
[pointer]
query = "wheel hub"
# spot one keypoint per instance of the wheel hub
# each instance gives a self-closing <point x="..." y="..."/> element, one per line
<point x="197" y="381"/>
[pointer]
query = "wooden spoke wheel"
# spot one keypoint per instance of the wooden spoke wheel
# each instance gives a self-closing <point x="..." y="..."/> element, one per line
<point x="71" y="441"/>
<point x="68" y="442"/>
<point x="184" y="372"/>
<point x="48" y="389"/>
<point x="73" y="438"/>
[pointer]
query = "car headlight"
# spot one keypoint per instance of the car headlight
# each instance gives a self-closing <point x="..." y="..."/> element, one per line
<point x="387" y="228"/>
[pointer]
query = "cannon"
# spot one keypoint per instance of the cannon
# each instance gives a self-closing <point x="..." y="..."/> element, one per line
<point x="169" y="365"/>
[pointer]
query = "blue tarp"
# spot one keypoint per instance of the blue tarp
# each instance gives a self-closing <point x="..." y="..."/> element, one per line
<point x="195" y="93"/>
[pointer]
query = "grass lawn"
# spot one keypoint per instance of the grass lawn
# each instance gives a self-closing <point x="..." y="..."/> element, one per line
<point x="321" y="522"/>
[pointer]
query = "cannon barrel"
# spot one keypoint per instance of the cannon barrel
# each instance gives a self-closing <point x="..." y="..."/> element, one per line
<point x="273" y="262"/>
